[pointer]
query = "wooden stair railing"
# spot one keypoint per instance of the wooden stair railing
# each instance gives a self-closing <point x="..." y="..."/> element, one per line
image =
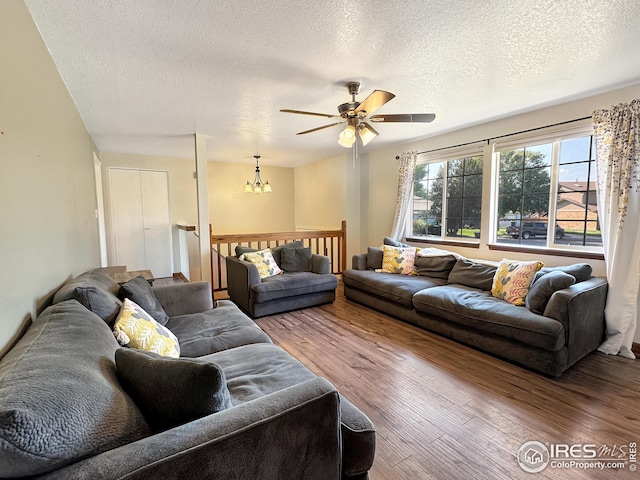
<point x="332" y="243"/>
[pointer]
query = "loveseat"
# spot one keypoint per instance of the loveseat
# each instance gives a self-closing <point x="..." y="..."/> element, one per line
<point x="561" y="321"/>
<point x="75" y="404"/>
<point x="297" y="279"/>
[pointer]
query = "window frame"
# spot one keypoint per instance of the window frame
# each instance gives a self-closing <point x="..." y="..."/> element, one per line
<point x="445" y="156"/>
<point x="553" y="136"/>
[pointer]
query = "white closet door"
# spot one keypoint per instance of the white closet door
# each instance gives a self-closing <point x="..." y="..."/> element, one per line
<point x="141" y="222"/>
<point x="157" y="226"/>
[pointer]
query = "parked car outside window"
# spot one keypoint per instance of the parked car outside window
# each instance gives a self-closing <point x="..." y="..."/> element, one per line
<point x="535" y="229"/>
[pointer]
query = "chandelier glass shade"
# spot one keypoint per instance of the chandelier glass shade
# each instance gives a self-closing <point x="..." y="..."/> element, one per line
<point x="258" y="186"/>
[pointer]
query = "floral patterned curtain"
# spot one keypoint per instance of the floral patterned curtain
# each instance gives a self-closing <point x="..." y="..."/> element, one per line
<point x="405" y="189"/>
<point x="617" y="145"/>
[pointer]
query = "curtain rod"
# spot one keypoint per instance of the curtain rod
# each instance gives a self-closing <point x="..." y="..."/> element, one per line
<point x="501" y="136"/>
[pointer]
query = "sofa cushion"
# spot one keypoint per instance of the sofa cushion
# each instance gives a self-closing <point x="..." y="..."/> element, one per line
<point x="264" y="262"/>
<point x="513" y="279"/>
<point x="473" y="274"/>
<point x="96" y="291"/>
<point x="139" y="290"/>
<point x="396" y="288"/>
<point x="214" y="330"/>
<point x="292" y="284"/>
<point x="253" y="371"/>
<point x="542" y="289"/>
<point x="49" y="420"/>
<point x="171" y="391"/>
<point x="480" y="310"/>
<point x="374" y="258"/>
<point x="434" y="262"/>
<point x="141" y="331"/>
<point x="241" y="250"/>
<point x="398" y="260"/>
<point x="295" y="259"/>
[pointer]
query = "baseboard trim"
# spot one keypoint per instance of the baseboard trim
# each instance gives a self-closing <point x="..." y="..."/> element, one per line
<point x="180" y="276"/>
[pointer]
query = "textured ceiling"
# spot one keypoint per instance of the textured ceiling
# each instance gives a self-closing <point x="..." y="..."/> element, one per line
<point x="147" y="74"/>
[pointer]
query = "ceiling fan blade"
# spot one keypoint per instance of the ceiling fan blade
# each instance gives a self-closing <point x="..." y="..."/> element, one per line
<point x="404" y="117"/>
<point x="320" y="128"/>
<point x="374" y="101"/>
<point x="327" y="115"/>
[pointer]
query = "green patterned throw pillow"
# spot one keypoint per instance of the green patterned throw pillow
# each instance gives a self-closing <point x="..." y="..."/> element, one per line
<point x="264" y="261"/>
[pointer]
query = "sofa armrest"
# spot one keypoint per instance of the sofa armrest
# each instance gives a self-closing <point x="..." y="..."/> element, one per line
<point x="184" y="298"/>
<point x="320" y="264"/>
<point x="580" y="309"/>
<point x="359" y="261"/>
<point x="291" y="433"/>
<point x="241" y="276"/>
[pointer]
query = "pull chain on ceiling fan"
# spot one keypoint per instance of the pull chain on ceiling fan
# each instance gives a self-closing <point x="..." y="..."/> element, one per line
<point x="356" y="114"/>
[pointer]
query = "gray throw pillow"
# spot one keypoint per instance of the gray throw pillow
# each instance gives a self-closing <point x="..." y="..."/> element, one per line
<point x="394" y="243"/>
<point x="139" y="291"/>
<point x="171" y="391"/>
<point x="579" y="271"/>
<point x="277" y="251"/>
<point x="472" y="274"/>
<point x="61" y="400"/>
<point x="541" y="290"/>
<point x="374" y="258"/>
<point x="436" y="266"/>
<point x="96" y="291"/>
<point x="241" y="250"/>
<point x="296" y="259"/>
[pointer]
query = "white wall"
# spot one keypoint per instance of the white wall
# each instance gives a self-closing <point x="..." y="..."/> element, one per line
<point x="48" y="227"/>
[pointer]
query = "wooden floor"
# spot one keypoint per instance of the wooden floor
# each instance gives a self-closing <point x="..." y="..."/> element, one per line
<point x="446" y="411"/>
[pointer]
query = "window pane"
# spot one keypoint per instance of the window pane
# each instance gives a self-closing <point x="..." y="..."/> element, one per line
<point x="575" y="150"/>
<point x="473" y="186"/>
<point x="537" y="180"/>
<point x="454" y="186"/>
<point x="473" y="165"/>
<point x="511" y="160"/>
<point x="462" y="203"/>
<point x="576" y="207"/>
<point x="537" y="156"/>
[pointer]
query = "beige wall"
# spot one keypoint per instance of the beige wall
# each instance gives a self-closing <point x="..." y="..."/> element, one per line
<point x="233" y="211"/>
<point x="48" y="228"/>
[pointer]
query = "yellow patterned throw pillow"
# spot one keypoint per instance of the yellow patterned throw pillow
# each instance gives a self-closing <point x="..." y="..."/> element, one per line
<point x="137" y="329"/>
<point x="264" y="261"/>
<point x="398" y="260"/>
<point x="512" y="280"/>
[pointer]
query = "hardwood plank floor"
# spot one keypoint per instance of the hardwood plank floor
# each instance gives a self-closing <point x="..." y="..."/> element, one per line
<point x="446" y="411"/>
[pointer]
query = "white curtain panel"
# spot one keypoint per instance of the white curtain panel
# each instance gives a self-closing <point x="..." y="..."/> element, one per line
<point x="405" y="190"/>
<point x="617" y="145"/>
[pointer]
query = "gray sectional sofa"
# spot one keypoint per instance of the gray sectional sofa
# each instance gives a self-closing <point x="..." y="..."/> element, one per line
<point x="74" y="404"/>
<point x="452" y="296"/>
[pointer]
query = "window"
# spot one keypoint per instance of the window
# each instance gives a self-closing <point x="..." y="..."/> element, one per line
<point x="528" y="213"/>
<point x="447" y="198"/>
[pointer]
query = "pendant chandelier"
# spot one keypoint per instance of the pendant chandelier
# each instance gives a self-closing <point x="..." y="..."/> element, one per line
<point x="257" y="186"/>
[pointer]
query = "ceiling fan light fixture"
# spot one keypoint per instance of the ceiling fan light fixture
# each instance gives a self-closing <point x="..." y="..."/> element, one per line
<point x="366" y="133"/>
<point x="347" y="137"/>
